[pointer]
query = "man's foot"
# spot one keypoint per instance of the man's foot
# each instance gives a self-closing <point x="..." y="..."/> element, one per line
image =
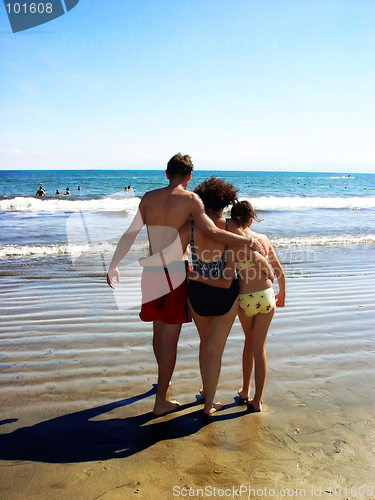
<point x="255" y="406"/>
<point x="214" y="408"/>
<point x="243" y="397"/>
<point x="165" y="408"/>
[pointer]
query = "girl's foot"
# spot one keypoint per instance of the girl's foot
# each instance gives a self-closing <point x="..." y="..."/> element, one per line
<point x="201" y="392"/>
<point x="214" y="408"/>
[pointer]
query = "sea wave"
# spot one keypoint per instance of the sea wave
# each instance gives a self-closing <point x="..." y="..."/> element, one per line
<point x="301" y="203"/>
<point x="122" y="202"/>
<point x="114" y="203"/>
<point x="323" y="240"/>
<point x="107" y="248"/>
<point x="55" y="249"/>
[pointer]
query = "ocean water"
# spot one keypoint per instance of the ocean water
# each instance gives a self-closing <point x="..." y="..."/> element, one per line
<point x="299" y="211"/>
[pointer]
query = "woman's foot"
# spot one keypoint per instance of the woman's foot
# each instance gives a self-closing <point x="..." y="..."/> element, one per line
<point x="201" y="392"/>
<point x="253" y="405"/>
<point x="214" y="408"/>
<point x="165" y="408"/>
<point x="244" y="397"/>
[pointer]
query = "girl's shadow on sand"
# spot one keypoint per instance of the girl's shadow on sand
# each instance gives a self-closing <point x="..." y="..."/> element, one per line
<point x="77" y="438"/>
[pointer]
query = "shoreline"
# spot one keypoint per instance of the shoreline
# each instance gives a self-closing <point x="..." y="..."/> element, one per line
<point x="77" y="389"/>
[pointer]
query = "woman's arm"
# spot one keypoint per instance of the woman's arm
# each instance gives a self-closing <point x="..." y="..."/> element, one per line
<point x="224" y="281"/>
<point x="232" y="256"/>
<point x="280" y="276"/>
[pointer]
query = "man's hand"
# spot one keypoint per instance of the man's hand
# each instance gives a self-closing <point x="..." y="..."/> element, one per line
<point x="113" y="273"/>
<point x="258" y="246"/>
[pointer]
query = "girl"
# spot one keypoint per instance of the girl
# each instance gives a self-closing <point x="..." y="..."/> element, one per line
<point x="257" y="306"/>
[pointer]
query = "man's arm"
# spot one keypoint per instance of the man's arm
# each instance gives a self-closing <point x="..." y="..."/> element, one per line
<point x="212" y="232"/>
<point x="123" y="247"/>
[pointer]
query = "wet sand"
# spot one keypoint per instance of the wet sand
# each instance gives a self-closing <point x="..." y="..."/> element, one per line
<point x="77" y="388"/>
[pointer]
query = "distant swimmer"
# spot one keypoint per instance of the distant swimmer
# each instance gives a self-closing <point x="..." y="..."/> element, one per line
<point x="79" y="188"/>
<point x="40" y="192"/>
<point x="67" y="191"/>
<point x="129" y="188"/>
<point x="58" y="191"/>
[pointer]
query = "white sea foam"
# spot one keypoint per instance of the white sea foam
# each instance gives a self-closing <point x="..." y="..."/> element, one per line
<point x="109" y="204"/>
<point x="74" y="250"/>
<point x="117" y="203"/>
<point x="315" y="240"/>
<point x="77" y="249"/>
<point x="302" y="203"/>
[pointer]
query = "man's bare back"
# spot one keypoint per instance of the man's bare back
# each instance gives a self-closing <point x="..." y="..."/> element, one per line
<point x="166" y="210"/>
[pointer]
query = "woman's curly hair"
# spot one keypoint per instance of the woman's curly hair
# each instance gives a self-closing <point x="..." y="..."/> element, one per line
<point x="242" y="212"/>
<point x="216" y="193"/>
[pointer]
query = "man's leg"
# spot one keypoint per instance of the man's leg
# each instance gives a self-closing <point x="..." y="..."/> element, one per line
<point x="157" y="338"/>
<point x="166" y="364"/>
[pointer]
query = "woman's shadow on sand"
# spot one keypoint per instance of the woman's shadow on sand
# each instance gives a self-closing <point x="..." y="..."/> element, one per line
<point x="77" y="438"/>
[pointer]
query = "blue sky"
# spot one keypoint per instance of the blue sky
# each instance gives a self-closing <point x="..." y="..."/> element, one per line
<point x="256" y="84"/>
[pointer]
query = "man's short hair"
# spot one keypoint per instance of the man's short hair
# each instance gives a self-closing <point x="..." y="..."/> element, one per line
<point x="179" y="166"/>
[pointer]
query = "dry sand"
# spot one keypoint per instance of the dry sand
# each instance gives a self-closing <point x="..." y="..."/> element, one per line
<point x="77" y="386"/>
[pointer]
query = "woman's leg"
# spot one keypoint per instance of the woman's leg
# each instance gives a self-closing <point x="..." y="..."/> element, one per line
<point x="203" y="324"/>
<point x="261" y="326"/>
<point x="220" y="328"/>
<point x="247" y="323"/>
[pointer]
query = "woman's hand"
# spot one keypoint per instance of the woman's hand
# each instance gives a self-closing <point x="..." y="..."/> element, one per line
<point x="192" y="275"/>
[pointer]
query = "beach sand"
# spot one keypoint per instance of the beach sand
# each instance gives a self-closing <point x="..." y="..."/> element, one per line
<point x="77" y="385"/>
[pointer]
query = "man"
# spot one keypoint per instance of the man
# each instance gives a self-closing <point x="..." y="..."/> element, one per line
<point x="40" y="192"/>
<point x="165" y="211"/>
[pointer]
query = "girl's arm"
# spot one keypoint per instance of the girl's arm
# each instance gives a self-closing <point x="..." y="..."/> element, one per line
<point x="280" y="276"/>
<point x="262" y="264"/>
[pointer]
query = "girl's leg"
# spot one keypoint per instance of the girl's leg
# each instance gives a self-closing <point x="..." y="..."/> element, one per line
<point x="247" y="323"/>
<point x="221" y="326"/>
<point x="261" y="326"/>
<point x="203" y="324"/>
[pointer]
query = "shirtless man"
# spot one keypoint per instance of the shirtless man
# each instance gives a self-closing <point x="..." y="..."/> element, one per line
<point x="165" y="211"/>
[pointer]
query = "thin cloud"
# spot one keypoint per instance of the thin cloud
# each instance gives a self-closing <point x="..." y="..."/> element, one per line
<point x="18" y="152"/>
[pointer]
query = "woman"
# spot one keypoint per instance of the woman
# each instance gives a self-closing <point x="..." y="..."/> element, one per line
<point x="213" y="309"/>
<point x="256" y="299"/>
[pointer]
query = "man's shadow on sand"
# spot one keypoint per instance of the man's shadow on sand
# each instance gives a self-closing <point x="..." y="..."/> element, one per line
<point x="76" y="438"/>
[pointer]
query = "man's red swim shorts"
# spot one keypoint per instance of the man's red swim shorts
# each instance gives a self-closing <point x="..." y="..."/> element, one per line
<point x="171" y="306"/>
